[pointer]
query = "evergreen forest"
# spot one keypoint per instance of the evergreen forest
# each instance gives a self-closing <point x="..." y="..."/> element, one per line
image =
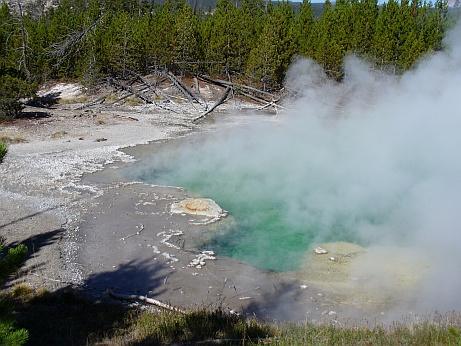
<point x="251" y="40"/>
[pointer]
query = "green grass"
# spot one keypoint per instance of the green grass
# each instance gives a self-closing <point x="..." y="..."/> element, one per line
<point x="3" y="151"/>
<point x="10" y="261"/>
<point x="64" y="318"/>
<point x="419" y="334"/>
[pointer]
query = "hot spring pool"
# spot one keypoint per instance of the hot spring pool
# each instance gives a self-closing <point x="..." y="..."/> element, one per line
<point x="275" y="219"/>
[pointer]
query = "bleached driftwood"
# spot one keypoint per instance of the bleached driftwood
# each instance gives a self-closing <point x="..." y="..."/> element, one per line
<point x="130" y="90"/>
<point x="182" y="88"/>
<point x="126" y="96"/>
<point x="223" y="98"/>
<point x="144" y="299"/>
<point x="252" y="93"/>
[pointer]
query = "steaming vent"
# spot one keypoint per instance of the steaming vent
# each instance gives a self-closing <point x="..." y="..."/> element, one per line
<point x="377" y="184"/>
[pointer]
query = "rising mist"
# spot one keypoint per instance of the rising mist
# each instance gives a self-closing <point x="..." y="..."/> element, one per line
<point x="374" y="159"/>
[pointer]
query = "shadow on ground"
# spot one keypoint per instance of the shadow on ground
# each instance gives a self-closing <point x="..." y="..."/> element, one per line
<point x="77" y="315"/>
<point x="283" y="303"/>
<point x="45" y="101"/>
<point x="33" y="115"/>
<point x="83" y="315"/>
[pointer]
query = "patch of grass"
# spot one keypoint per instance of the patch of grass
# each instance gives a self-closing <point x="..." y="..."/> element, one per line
<point x="11" y="336"/>
<point x="73" y="100"/>
<point x="12" y="140"/>
<point x="3" y="151"/>
<point x="65" y="318"/>
<point x="10" y="260"/>
<point x="419" y="334"/>
<point x="58" y="134"/>
<point x="22" y="291"/>
<point x="133" y="101"/>
<point x="196" y="326"/>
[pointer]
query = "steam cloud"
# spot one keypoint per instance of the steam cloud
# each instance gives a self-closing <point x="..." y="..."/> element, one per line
<point x="380" y="154"/>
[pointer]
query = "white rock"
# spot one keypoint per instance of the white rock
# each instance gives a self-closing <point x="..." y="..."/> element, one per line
<point x="198" y="206"/>
<point x="320" y="251"/>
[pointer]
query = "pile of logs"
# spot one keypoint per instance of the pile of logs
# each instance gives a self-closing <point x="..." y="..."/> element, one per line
<point x="153" y="90"/>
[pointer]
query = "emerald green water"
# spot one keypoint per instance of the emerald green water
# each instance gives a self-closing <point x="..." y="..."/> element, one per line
<point x="278" y="215"/>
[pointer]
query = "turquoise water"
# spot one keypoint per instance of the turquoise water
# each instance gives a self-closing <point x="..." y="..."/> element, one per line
<point x="278" y="217"/>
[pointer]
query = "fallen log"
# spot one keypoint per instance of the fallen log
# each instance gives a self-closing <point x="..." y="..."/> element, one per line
<point x="236" y="86"/>
<point x="126" y="96"/>
<point x="244" y="90"/>
<point x="130" y="90"/>
<point x="249" y="88"/>
<point x="138" y="94"/>
<point x="223" y="98"/>
<point x="144" y="299"/>
<point x="155" y="90"/>
<point x="260" y="100"/>
<point x="212" y="81"/>
<point x="181" y="87"/>
<point x="93" y="103"/>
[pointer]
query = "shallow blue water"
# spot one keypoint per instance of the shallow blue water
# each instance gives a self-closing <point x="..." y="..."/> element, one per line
<point x="267" y="232"/>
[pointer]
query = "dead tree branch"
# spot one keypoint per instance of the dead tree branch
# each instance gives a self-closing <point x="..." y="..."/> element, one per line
<point x="24" y="46"/>
<point x="133" y="297"/>
<point x="223" y="98"/>
<point x="182" y="88"/>
<point x="130" y="89"/>
<point x="62" y="49"/>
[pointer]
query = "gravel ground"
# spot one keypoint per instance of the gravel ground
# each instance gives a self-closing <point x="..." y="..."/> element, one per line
<point x="41" y="195"/>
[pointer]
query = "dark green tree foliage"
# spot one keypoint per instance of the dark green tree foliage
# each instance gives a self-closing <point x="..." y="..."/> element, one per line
<point x="272" y="55"/>
<point x="223" y="46"/>
<point x="363" y="21"/>
<point x="187" y="42"/>
<point x="304" y="29"/>
<point x="332" y="40"/>
<point x="13" y="83"/>
<point x="250" y="39"/>
<point x="3" y="151"/>
<point x="12" y="89"/>
<point x="386" y="40"/>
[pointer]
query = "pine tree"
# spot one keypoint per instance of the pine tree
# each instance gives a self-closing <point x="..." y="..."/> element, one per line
<point x="270" y="59"/>
<point x="386" y="38"/>
<point x="364" y="15"/>
<point x="411" y="51"/>
<point x="304" y="27"/>
<point x="222" y="47"/>
<point x="187" y="39"/>
<point x="330" y="49"/>
<point x="13" y="83"/>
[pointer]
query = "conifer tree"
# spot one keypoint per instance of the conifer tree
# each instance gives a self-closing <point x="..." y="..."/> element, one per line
<point x="329" y="52"/>
<point x="304" y="29"/>
<point x="270" y="59"/>
<point x="223" y="43"/>
<point x="386" y="37"/>
<point x="364" y="14"/>
<point x="187" y="39"/>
